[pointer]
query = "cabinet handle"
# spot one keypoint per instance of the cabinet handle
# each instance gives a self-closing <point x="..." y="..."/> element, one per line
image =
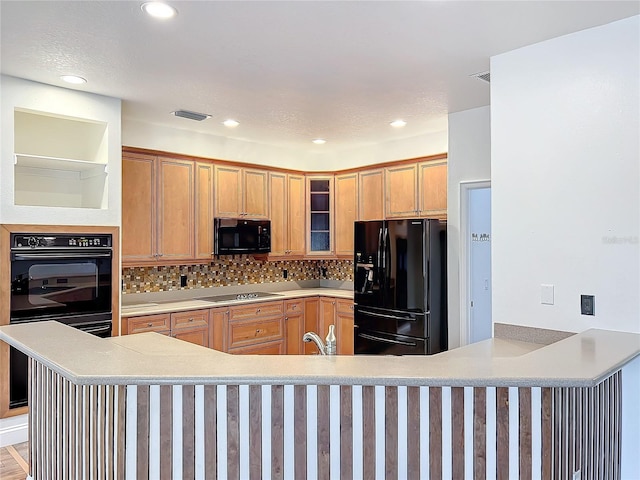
<point x="258" y="330"/>
<point x="294" y="307"/>
<point x="351" y="307"/>
<point x="286" y="318"/>
<point x="190" y="320"/>
<point x="258" y="310"/>
<point x="149" y="324"/>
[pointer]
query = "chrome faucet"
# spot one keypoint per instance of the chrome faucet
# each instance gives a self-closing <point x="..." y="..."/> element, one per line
<point x="325" y="349"/>
<point x="315" y="338"/>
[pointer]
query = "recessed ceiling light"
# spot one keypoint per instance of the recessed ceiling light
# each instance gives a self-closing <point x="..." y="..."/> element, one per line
<point x="398" y="123"/>
<point x="230" y="123"/>
<point x="73" y="79"/>
<point x="319" y="141"/>
<point x="159" y="9"/>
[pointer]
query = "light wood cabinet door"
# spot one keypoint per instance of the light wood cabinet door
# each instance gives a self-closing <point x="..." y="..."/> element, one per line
<point x="371" y="195"/>
<point x="320" y="215"/>
<point x="311" y="311"/>
<point x="160" y="323"/>
<point x="294" y="326"/>
<point x="138" y="207"/>
<point x="326" y="316"/>
<point x="197" y="335"/>
<point x="204" y="210"/>
<point x="175" y="209"/>
<point x="279" y="212"/>
<point x="295" y="218"/>
<point x="268" y="348"/>
<point x="218" y="325"/>
<point x="228" y="191"/>
<point x="344" y="327"/>
<point x="189" y="319"/>
<point x="433" y="188"/>
<point x="255" y="194"/>
<point x="346" y="202"/>
<point x="401" y="184"/>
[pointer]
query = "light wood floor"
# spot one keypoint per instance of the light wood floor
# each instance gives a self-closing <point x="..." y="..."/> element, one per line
<point x="14" y="461"/>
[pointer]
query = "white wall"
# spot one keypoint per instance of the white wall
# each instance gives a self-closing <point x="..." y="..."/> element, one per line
<point x="566" y="179"/>
<point x="38" y="97"/>
<point x="158" y="137"/>
<point x="469" y="159"/>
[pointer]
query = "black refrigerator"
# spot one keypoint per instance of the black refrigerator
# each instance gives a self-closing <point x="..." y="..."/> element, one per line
<point x="400" y="287"/>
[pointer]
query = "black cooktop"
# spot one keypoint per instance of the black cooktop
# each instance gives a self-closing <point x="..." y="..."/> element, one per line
<point x="238" y="296"/>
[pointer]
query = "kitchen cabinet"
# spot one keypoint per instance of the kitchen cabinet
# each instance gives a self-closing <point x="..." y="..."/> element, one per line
<point x="344" y="327"/>
<point x="433" y="186"/>
<point x="191" y="326"/>
<point x="311" y="312"/>
<point x="326" y="315"/>
<point x="294" y="313"/>
<point x="255" y="324"/>
<point x="158" y="209"/>
<point x="401" y="187"/>
<point x="203" y="210"/>
<point x="346" y="206"/>
<point x="371" y="195"/>
<point x="320" y="215"/>
<point x="416" y="189"/>
<point x="218" y="326"/>
<point x="287" y="209"/>
<point x="241" y="192"/>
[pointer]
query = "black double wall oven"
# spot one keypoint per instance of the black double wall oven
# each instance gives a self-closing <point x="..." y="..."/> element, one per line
<point x="66" y="278"/>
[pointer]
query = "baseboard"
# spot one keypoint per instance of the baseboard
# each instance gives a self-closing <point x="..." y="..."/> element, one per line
<point x="14" y="430"/>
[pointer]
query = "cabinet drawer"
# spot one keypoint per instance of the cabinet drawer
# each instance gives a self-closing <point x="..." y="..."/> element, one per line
<point x="149" y="323"/>
<point x="292" y="307"/>
<point x="344" y="305"/>
<point x="247" y="333"/>
<point x="194" y="318"/>
<point x="269" y="348"/>
<point x="267" y="309"/>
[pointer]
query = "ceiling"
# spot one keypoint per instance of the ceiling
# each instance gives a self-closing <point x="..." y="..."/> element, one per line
<point x="289" y="72"/>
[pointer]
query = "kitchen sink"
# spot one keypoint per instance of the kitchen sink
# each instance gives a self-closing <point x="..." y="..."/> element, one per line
<point x="238" y="297"/>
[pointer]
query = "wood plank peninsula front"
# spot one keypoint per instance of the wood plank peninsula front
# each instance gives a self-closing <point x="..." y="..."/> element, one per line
<point x="151" y="406"/>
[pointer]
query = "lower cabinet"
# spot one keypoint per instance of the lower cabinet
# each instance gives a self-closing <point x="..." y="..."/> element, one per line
<point x="256" y="328"/>
<point x="265" y="328"/>
<point x="191" y="326"/>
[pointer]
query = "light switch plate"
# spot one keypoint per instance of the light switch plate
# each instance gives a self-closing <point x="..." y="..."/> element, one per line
<point x="546" y="294"/>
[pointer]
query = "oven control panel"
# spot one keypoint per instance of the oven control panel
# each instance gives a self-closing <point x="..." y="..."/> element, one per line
<point x="25" y="240"/>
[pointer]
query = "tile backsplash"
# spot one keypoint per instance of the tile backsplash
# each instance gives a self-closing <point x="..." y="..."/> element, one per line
<point x="231" y="271"/>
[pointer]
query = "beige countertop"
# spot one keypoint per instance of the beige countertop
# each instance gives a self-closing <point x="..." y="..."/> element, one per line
<point x="152" y="307"/>
<point x="149" y="358"/>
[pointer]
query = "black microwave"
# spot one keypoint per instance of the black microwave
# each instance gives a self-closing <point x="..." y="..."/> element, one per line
<point x="236" y="236"/>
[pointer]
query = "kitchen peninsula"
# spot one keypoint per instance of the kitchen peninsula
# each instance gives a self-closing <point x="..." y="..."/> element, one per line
<point x="146" y="406"/>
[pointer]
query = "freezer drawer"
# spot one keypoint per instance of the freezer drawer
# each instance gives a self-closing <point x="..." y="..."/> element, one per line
<point x="414" y="324"/>
<point x="369" y="342"/>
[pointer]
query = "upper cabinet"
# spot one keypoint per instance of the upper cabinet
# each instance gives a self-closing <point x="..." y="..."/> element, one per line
<point x="346" y="202"/>
<point x="203" y="210"/>
<point x="402" y="191"/>
<point x="432" y="177"/>
<point x="158" y="209"/>
<point x="371" y="194"/>
<point x="241" y="192"/>
<point x="320" y="215"/>
<point x="416" y="189"/>
<point x="287" y="214"/>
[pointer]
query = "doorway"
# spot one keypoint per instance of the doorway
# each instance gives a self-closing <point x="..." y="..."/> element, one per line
<point x="475" y="295"/>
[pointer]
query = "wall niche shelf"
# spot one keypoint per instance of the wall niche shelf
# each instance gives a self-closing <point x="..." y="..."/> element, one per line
<point x="83" y="168"/>
<point x="60" y="161"/>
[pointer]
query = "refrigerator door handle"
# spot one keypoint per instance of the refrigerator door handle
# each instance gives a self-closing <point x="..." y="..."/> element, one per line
<point x="386" y="340"/>
<point x="379" y="248"/>
<point x="393" y="317"/>
<point x="384" y="248"/>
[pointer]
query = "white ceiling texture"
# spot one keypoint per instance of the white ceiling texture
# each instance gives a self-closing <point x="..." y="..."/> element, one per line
<point x="289" y="72"/>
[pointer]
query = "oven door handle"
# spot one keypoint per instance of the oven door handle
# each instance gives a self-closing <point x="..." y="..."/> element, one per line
<point x="53" y="256"/>
<point x="366" y="336"/>
<point x="96" y="330"/>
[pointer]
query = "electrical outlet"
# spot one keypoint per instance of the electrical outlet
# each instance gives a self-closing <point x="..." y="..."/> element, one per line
<point x="587" y="304"/>
<point x="183" y="280"/>
<point x="285" y="274"/>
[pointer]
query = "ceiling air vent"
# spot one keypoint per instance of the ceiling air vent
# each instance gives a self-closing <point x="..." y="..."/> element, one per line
<point x="191" y="115"/>
<point x="484" y="76"/>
